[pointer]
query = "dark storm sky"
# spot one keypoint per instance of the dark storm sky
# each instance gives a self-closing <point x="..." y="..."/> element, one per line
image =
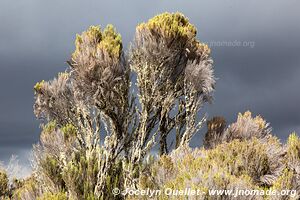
<point x="36" y="38"/>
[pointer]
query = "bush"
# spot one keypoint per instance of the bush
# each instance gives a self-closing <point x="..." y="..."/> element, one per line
<point x="249" y="162"/>
<point x="4" y="187"/>
<point x="173" y="69"/>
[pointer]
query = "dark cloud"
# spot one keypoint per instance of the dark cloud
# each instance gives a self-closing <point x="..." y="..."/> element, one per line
<point x="36" y="38"/>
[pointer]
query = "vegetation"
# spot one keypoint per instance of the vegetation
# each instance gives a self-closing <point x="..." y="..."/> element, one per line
<point x="254" y="163"/>
<point x="3" y="183"/>
<point x="98" y="134"/>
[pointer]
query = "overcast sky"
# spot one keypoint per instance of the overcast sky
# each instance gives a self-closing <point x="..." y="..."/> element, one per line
<point x="255" y="46"/>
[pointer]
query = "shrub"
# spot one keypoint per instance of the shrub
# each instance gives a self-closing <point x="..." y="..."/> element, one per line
<point x="27" y="189"/>
<point x="4" y="186"/>
<point x="247" y="162"/>
<point x="173" y="69"/>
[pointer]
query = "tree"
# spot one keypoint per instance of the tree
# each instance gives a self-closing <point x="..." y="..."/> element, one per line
<point x="96" y="131"/>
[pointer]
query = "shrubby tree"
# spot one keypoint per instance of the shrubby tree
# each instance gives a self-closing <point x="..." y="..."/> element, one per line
<point x="96" y="130"/>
